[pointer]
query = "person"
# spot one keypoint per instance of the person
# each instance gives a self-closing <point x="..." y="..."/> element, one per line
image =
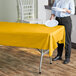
<point x="64" y="19"/>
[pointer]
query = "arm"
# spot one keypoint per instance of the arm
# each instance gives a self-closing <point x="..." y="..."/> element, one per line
<point x="67" y="11"/>
<point x="53" y="12"/>
<point x="52" y="16"/>
<point x="71" y="8"/>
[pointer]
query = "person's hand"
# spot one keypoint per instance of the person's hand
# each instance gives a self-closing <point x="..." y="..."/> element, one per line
<point x="66" y="10"/>
<point x="52" y="17"/>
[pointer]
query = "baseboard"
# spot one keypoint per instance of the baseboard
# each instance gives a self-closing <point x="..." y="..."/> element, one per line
<point x="73" y="45"/>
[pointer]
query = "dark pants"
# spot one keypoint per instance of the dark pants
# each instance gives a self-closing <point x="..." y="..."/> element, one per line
<point x="67" y="23"/>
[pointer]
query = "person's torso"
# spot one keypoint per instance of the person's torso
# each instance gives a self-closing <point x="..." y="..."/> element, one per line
<point x="62" y="4"/>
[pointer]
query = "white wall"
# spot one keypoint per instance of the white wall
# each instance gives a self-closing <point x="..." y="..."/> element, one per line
<point x="73" y="28"/>
<point x="36" y="8"/>
<point x="8" y="10"/>
<point x="43" y="14"/>
<point x="75" y="2"/>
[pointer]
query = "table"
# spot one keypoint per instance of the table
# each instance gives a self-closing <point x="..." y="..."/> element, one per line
<point x="32" y="36"/>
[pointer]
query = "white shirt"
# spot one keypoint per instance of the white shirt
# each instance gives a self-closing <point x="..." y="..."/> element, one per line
<point x="69" y="4"/>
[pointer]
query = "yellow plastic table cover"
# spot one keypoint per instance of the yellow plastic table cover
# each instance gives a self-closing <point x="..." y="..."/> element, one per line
<point x="31" y="35"/>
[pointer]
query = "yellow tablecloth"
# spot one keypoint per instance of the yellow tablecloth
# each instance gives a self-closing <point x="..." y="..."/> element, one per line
<point x="31" y="35"/>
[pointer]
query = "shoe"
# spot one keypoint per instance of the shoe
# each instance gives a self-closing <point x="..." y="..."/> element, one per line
<point x="57" y="58"/>
<point x="66" y="61"/>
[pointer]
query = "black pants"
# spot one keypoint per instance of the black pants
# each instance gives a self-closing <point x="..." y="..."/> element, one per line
<point x="67" y="23"/>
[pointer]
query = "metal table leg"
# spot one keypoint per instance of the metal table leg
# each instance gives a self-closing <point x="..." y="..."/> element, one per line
<point x="41" y="61"/>
<point x="50" y="60"/>
<point x="42" y="54"/>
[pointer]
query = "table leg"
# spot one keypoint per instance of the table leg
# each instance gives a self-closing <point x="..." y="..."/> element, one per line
<point x="50" y="60"/>
<point x="41" y="61"/>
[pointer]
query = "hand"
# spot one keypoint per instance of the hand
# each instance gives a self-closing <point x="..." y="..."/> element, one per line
<point x="66" y="10"/>
<point x="52" y="17"/>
